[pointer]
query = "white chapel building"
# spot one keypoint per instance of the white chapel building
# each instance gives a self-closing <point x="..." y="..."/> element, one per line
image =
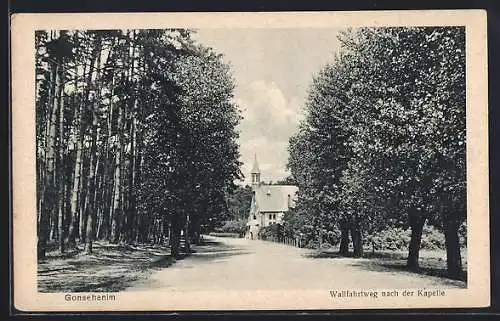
<point x="269" y="203"/>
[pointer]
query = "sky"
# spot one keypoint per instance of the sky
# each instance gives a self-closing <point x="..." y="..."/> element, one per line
<point x="273" y="70"/>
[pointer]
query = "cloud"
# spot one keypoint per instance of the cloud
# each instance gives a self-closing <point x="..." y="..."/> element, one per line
<point x="269" y="120"/>
<point x="273" y="69"/>
<point x="267" y="111"/>
<point x="267" y="100"/>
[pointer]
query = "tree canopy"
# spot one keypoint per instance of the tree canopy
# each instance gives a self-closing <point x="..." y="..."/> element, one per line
<point x="136" y="137"/>
<point x="383" y="141"/>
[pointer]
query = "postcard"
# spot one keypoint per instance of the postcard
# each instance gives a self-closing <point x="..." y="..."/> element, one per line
<point x="250" y="161"/>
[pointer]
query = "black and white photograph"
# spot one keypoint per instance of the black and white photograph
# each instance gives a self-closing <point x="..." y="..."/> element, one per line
<point x="180" y="160"/>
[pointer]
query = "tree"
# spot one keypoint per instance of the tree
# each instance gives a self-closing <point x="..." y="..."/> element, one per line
<point x="383" y="141"/>
<point x="239" y="202"/>
<point x="409" y="76"/>
<point x="136" y="137"/>
<point x="319" y="151"/>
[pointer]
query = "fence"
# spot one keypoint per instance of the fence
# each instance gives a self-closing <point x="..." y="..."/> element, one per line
<point x="286" y="240"/>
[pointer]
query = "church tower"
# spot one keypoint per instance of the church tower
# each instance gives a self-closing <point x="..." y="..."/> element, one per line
<point x="255" y="173"/>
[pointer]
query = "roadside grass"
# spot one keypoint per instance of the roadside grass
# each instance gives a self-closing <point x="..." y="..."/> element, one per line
<point x="110" y="268"/>
<point x="432" y="262"/>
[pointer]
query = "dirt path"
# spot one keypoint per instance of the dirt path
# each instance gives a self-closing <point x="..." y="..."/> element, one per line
<point x="241" y="264"/>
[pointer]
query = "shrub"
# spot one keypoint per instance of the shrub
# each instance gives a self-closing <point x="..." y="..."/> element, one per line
<point x="234" y="227"/>
<point x="271" y="232"/>
<point x="332" y="237"/>
<point x="432" y="239"/>
<point x="394" y="239"/>
<point x="311" y="244"/>
<point x="326" y="246"/>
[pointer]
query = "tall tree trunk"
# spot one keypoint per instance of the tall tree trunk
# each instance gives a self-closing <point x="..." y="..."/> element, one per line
<point x="51" y="100"/>
<point x="452" y="241"/>
<point x="124" y="168"/>
<point x="91" y="208"/>
<point x="76" y="193"/>
<point x="132" y="174"/>
<point x="417" y="225"/>
<point x="344" y="238"/>
<point x="117" y="198"/>
<point x="103" y="208"/>
<point x="107" y="215"/>
<point x="89" y="233"/>
<point x="91" y="190"/>
<point x="108" y="172"/>
<point x="100" y="195"/>
<point x="83" y="199"/>
<point x="70" y="235"/>
<point x="61" y="173"/>
<point x="131" y="197"/>
<point x="357" y="239"/>
<point x="62" y="222"/>
<point x="40" y="137"/>
<point x="54" y="221"/>
<point x="175" y="236"/>
<point x="195" y="230"/>
<point x="50" y="195"/>
<point x="39" y="186"/>
<point x="139" y="213"/>
<point x="86" y="195"/>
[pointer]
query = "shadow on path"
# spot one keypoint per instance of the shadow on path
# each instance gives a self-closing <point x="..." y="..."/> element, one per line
<point x="427" y="267"/>
<point x="394" y="262"/>
<point x="113" y="267"/>
<point x="212" y="249"/>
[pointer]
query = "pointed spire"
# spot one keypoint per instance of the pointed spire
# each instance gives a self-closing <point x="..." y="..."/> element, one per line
<point x="255" y="169"/>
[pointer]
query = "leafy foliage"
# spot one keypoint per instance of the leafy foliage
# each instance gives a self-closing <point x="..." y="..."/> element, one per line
<point x="396" y="238"/>
<point x="382" y="146"/>
<point x="272" y="232"/>
<point x="233" y="226"/>
<point x="136" y="137"/>
<point x="239" y="202"/>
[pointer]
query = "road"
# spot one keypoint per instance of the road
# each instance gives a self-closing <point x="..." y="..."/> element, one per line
<point x="241" y="264"/>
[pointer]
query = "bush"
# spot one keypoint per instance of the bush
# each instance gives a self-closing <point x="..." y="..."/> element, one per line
<point x="432" y="239"/>
<point x="332" y="237"/>
<point x="311" y="244"/>
<point x="272" y="232"/>
<point x="394" y="239"/>
<point x="325" y="246"/>
<point x="234" y="227"/>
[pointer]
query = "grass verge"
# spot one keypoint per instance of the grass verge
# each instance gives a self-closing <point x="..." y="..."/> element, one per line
<point x="431" y="262"/>
<point x="110" y="268"/>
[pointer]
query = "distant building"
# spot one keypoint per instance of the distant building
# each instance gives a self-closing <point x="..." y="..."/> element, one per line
<point x="269" y="203"/>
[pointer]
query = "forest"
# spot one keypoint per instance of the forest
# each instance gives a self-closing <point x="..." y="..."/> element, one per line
<point x="383" y="143"/>
<point x="136" y="138"/>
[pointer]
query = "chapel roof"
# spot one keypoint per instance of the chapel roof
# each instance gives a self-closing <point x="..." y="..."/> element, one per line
<point x="274" y="198"/>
